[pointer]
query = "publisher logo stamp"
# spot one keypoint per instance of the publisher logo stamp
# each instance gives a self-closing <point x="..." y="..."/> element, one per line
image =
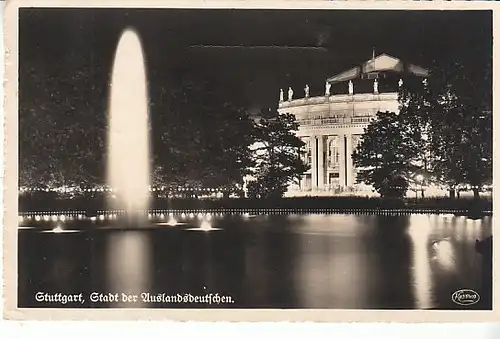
<point x="465" y="297"/>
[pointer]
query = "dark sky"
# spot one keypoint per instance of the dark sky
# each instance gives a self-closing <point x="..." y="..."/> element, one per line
<point x="56" y="44"/>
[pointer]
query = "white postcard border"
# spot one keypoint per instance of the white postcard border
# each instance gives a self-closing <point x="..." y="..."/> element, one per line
<point x="11" y="311"/>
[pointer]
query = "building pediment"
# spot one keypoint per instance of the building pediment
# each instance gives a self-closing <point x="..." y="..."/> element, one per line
<point x="383" y="63"/>
<point x="380" y="64"/>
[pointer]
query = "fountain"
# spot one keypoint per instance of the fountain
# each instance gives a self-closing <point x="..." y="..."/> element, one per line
<point x="128" y="136"/>
<point x="205" y="224"/>
<point x="128" y="171"/>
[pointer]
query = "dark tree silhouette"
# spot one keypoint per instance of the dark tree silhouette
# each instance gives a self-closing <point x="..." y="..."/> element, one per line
<point x="277" y="156"/>
<point x="462" y="130"/>
<point x="386" y="155"/>
<point x="61" y="129"/>
<point x="199" y="138"/>
<point x="443" y="129"/>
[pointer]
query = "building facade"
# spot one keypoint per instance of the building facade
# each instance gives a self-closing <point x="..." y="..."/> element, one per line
<point x="331" y="125"/>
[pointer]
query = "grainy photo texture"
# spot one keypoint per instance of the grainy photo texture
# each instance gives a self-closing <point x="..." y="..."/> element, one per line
<point x="254" y="159"/>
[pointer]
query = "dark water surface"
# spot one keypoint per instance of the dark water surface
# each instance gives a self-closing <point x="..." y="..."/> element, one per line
<point x="276" y="261"/>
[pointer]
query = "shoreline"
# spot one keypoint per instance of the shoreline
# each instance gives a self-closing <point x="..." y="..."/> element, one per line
<point x="269" y="211"/>
<point x="91" y="205"/>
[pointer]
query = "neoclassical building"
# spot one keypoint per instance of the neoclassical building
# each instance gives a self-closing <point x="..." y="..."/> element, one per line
<point x="331" y="124"/>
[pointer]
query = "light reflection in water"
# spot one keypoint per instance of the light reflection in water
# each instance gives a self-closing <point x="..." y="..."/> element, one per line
<point x="444" y="254"/>
<point x="331" y="269"/>
<point x="129" y="265"/>
<point x="332" y="261"/>
<point x="419" y="230"/>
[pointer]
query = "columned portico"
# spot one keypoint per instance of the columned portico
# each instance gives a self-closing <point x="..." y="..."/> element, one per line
<point x="332" y="124"/>
<point x="331" y="162"/>
<point x="330" y="130"/>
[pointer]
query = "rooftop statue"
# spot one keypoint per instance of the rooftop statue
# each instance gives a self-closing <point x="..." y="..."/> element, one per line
<point x="351" y="87"/>
<point x="327" y="88"/>
<point x="281" y="95"/>
<point x="290" y="94"/>
<point x="306" y="91"/>
<point x="375" y="86"/>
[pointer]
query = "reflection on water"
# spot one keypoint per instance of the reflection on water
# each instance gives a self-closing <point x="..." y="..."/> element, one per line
<point x="128" y="265"/>
<point x="333" y="267"/>
<point x="275" y="261"/>
<point x="419" y="230"/>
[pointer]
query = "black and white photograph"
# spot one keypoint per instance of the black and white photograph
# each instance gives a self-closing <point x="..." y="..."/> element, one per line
<point x="254" y="159"/>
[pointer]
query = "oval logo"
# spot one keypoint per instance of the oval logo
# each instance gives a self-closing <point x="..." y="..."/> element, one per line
<point x="465" y="297"/>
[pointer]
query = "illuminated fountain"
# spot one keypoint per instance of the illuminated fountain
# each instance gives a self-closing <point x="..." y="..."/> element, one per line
<point x="205" y="224"/>
<point x="172" y="221"/>
<point x="58" y="229"/>
<point x="128" y="170"/>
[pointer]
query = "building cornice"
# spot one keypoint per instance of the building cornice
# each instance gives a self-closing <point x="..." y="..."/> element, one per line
<point x="338" y="98"/>
<point x="328" y="127"/>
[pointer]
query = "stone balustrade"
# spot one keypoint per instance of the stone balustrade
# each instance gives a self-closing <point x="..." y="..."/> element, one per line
<point x="338" y="98"/>
<point x="324" y="121"/>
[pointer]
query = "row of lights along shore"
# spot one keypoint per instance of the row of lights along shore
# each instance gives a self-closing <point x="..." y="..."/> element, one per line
<point x="192" y="214"/>
<point x="114" y="215"/>
<point x="104" y="189"/>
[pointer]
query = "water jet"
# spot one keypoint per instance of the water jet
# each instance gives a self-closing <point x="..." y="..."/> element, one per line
<point x="128" y="169"/>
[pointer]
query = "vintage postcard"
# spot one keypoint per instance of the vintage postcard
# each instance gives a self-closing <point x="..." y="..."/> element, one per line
<point x="250" y="161"/>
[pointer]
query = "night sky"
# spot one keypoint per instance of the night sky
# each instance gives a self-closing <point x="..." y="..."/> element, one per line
<point x="56" y="44"/>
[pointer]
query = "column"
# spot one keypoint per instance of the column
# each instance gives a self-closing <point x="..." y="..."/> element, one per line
<point x="342" y="158"/>
<point x="314" y="163"/>
<point x="355" y="141"/>
<point x="302" y="183"/>
<point x="327" y="180"/>
<point x="321" y="162"/>
<point x="349" y="169"/>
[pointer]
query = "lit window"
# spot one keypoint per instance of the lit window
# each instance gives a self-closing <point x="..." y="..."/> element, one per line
<point x="334" y="153"/>
<point x="307" y="156"/>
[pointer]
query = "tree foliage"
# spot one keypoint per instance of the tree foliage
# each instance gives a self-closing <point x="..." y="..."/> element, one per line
<point x="277" y="156"/>
<point x="443" y="129"/>
<point x="200" y="139"/>
<point x="462" y="133"/>
<point x="61" y="131"/>
<point x="386" y="155"/>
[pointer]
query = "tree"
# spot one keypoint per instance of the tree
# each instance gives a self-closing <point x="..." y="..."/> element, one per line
<point x="61" y="128"/>
<point x="200" y="138"/>
<point x="461" y="133"/>
<point x="443" y="128"/>
<point x="387" y="155"/>
<point x="277" y="156"/>
<point x="414" y="115"/>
